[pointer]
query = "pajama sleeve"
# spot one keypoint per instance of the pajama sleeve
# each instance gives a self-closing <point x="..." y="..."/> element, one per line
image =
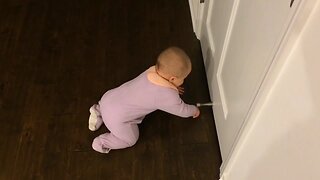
<point x="173" y="104"/>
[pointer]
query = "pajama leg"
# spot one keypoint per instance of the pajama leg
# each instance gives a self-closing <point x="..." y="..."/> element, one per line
<point x="127" y="137"/>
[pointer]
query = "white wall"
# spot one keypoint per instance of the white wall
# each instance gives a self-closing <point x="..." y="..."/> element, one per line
<point x="283" y="142"/>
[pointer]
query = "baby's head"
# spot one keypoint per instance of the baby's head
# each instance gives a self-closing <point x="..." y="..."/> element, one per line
<point x="174" y="65"/>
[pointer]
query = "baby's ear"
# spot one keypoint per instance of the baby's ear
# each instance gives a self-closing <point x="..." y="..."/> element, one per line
<point x="172" y="78"/>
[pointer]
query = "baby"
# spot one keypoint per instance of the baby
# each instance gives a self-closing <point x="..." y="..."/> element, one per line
<point x="122" y="108"/>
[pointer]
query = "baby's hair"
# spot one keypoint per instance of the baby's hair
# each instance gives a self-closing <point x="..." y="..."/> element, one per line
<point x="173" y="61"/>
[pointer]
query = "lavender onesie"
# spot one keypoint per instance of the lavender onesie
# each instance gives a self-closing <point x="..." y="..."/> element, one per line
<point x="124" y="107"/>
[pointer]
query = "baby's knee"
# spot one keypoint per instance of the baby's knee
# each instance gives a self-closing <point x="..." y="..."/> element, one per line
<point x="132" y="142"/>
<point x="98" y="146"/>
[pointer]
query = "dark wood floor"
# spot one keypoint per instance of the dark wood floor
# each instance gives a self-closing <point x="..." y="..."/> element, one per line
<point x="58" y="57"/>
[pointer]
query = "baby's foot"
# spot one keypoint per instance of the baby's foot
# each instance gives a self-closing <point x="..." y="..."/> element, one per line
<point x="95" y="122"/>
<point x="95" y="119"/>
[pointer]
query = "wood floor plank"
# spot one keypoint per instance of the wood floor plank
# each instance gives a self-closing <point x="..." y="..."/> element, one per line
<point x="58" y="57"/>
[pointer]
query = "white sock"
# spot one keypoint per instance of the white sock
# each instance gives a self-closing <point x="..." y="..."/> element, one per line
<point x="95" y="120"/>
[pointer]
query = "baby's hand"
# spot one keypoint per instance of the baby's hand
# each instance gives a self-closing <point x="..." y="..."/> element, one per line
<point x="181" y="90"/>
<point x="197" y="113"/>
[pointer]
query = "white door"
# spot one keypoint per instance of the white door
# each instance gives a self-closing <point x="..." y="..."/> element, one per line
<point x="238" y="42"/>
<point x="196" y="8"/>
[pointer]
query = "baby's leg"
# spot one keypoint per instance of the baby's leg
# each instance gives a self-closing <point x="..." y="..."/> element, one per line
<point x="95" y="119"/>
<point x="105" y="142"/>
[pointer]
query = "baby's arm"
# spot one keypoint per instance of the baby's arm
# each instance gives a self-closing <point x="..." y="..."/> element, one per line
<point x="173" y="104"/>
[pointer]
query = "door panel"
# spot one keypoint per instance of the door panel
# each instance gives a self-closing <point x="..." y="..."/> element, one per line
<point x="244" y="39"/>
